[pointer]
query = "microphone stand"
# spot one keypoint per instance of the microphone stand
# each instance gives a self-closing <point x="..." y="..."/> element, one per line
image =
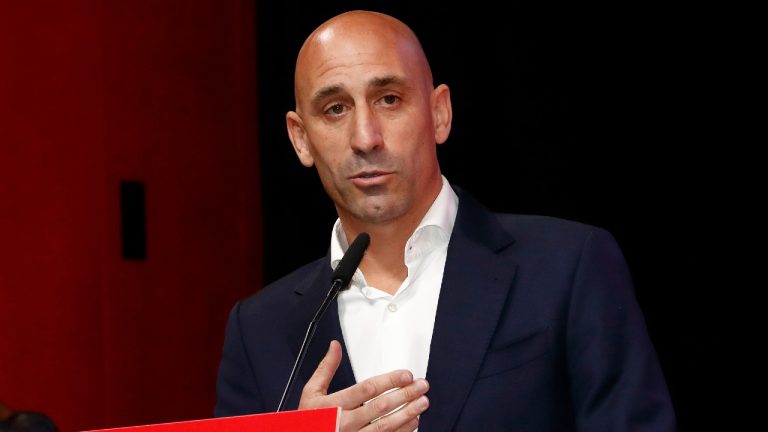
<point x="342" y="275"/>
<point x="332" y="293"/>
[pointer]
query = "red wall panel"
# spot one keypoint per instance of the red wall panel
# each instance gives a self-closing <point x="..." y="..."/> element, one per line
<point x="92" y="93"/>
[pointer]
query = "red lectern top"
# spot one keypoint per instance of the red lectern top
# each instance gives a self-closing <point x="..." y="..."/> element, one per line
<point x="315" y="420"/>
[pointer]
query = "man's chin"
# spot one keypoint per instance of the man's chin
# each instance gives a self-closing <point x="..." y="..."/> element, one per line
<point x="378" y="212"/>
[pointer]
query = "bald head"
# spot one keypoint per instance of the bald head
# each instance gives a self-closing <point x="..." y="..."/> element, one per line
<point x="358" y="37"/>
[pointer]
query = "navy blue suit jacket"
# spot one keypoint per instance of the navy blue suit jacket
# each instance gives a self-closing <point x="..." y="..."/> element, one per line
<point x="537" y="329"/>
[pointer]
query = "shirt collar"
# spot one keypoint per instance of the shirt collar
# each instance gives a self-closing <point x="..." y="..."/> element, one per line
<point x="442" y="214"/>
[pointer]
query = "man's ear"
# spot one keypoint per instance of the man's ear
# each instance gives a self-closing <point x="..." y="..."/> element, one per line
<point x="299" y="139"/>
<point x="442" y="113"/>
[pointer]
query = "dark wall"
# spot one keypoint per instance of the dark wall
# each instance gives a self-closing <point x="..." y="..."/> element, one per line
<point x="587" y="113"/>
<point x="94" y="93"/>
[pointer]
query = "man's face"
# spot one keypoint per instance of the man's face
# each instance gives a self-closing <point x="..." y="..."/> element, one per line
<point x="366" y="121"/>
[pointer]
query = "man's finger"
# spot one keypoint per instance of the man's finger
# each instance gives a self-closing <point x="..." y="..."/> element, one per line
<point x="388" y="402"/>
<point x="404" y="419"/>
<point x="354" y="396"/>
<point x="321" y="379"/>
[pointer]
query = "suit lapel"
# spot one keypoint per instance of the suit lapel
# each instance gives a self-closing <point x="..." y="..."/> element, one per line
<point x="474" y="290"/>
<point x="310" y="295"/>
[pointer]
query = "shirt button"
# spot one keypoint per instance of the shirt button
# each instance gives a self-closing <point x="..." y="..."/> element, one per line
<point x="392" y="307"/>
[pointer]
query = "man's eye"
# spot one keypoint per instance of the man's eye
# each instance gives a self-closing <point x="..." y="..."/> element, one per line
<point x="390" y="99"/>
<point x="336" y="109"/>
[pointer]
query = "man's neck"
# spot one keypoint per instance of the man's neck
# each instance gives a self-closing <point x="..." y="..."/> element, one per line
<point x="384" y="260"/>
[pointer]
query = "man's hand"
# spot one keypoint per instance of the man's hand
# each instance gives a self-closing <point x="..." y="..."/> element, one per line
<point x="374" y="415"/>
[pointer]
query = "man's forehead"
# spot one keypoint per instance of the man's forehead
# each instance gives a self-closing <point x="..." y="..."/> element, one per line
<point x="356" y="50"/>
<point x="335" y="50"/>
<point x="376" y="82"/>
<point x="350" y="66"/>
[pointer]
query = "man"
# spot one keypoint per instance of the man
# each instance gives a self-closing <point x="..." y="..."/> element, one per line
<point x="516" y="322"/>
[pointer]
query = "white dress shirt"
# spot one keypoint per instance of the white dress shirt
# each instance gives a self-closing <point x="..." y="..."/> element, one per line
<point x="385" y="332"/>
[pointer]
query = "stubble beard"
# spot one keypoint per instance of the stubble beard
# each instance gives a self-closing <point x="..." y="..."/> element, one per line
<point x="376" y="204"/>
<point x="376" y="207"/>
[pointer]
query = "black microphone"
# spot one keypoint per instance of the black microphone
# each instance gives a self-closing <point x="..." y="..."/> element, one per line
<point x="340" y="281"/>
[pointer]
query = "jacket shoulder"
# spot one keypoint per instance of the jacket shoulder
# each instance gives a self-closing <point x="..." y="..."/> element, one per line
<point x="535" y="231"/>
<point x="525" y="225"/>
<point x="553" y="235"/>
<point x="275" y="296"/>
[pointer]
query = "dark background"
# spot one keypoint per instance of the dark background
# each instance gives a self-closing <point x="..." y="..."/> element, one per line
<point x="592" y="113"/>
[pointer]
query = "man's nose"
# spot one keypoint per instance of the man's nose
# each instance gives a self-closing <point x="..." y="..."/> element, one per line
<point x="366" y="136"/>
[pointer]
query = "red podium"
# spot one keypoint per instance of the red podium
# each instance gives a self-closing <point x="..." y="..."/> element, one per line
<point x="316" y="420"/>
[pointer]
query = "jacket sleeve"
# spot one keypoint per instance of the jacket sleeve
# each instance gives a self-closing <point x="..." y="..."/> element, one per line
<point x="616" y="380"/>
<point x="237" y="391"/>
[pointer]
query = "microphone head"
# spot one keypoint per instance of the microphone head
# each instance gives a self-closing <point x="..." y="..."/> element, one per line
<point x="351" y="259"/>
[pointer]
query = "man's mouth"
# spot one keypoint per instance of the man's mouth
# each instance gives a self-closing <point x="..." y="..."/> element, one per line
<point x="367" y="179"/>
<point x="369" y="174"/>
